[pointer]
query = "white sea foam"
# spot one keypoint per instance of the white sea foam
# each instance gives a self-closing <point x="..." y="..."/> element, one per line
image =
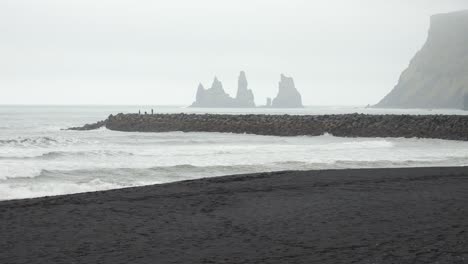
<point x="38" y="159"/>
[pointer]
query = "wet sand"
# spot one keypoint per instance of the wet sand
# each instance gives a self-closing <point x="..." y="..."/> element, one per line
<point x="340" y="216"/>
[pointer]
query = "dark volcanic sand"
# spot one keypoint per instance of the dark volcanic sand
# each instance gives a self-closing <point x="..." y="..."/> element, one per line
<point x="347" y="216"/>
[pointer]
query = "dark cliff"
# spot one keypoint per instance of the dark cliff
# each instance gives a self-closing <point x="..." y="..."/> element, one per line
<point x="437" y="76"/>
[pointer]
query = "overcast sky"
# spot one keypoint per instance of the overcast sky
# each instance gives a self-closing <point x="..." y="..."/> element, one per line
<point x="340" y="52"/>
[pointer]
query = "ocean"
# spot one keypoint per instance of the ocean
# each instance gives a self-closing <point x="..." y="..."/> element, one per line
<point x="39" y="158"/>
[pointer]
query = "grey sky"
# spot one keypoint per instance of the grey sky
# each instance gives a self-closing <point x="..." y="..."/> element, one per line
<point x="156" y="52"/>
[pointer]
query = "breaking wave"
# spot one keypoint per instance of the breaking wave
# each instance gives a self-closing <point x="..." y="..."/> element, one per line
<point x="56" y="182"/>
<point x="187" y="171"/>
<point x="37" y="158"/>
<point x="35" y="183"/>
<point x="36" y="142"/>
<point x="70" y="154"/>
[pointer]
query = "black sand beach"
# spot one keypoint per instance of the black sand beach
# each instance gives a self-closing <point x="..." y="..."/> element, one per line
<point x="345" y="216"/>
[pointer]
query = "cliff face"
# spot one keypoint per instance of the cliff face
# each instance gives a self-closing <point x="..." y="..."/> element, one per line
<point x="216" y="97"/>
<point x="288" y="96"/>
<point x="437" y="76"/>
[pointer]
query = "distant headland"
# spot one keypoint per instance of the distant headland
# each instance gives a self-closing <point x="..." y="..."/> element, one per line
<point x="215" y="97"/>
<point x="437" y="75"/>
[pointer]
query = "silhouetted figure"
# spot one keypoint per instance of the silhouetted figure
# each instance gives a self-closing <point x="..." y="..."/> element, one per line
<point x="146" y="113"/>
<point x="152" y="111"/>
<point x="139" y="112"/>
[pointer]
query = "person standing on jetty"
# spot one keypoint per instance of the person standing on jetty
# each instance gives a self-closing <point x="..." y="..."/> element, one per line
<point x="152" y="112"/>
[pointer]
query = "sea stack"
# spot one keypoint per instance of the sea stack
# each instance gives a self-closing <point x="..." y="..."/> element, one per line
<point x="245" y="96"/>
<point x="437" y="76"/>
<point x="213" y="97"/>
<point x="216" y="97"/>
<point x="288" y="96"/>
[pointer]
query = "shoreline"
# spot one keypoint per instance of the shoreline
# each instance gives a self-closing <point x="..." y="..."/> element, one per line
<point x="449" y="127"/>
<point x="401" y="215"/>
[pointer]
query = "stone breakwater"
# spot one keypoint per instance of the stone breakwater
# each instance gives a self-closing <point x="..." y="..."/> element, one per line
<point x="452" y="127"/>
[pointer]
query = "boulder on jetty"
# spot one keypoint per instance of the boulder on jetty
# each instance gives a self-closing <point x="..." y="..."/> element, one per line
<point x="437" y="75"/>
<point x="288" y="96"/>
<point x="453" y="127"/>
<point x="216" y="97"/>
<point x="93" y="126"/>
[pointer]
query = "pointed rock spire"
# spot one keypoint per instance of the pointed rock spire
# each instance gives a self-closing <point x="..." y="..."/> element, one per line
<point x="288" y="96"/>
<point x="200" y="92"/>
<point x="242" y="83"/>
<point x="244" y="97"/>
<point x="215" y="96"/>
<point x="217" y="85"/>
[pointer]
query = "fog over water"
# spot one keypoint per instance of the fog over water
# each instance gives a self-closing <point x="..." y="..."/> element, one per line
<point x="339" y="52"/>
<point x="122" y="52"/>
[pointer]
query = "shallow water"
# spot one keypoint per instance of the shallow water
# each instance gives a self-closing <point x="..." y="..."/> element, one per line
<point x="37" y="158"/>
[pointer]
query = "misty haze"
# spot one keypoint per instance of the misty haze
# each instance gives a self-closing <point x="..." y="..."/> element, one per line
<point x="234" y="131"/>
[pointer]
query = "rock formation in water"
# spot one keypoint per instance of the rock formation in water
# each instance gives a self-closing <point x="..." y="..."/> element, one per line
<point x="245" y="96"/>
<point x="288" y="96"/>
<point x="213" y="97"/>
<point x="216" y="97"/>
<point x="437" y="76"/>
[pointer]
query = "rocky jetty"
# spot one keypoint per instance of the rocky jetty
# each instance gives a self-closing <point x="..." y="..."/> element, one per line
<point x="216" y="97"/>
<point x="453" y="127"/>
<point x="437" y="75"/>
<point x="288" y="96"/>
<point x="93" y="126"/>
